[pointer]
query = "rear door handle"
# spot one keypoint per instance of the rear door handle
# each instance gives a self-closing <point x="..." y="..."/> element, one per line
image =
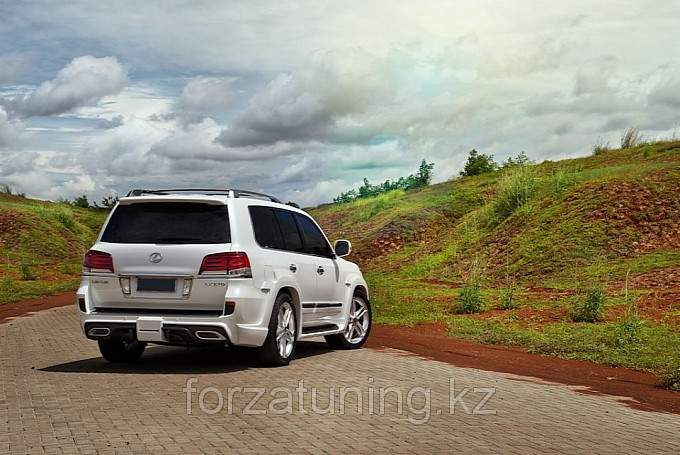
<point x="320" y="270"/>
<point x="293" y="268"/>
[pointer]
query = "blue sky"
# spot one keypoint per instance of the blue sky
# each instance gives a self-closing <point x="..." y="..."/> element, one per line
<point x="304" y="99"/>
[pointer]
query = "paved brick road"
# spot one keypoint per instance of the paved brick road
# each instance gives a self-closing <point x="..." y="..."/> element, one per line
<point x="58" y="396"/>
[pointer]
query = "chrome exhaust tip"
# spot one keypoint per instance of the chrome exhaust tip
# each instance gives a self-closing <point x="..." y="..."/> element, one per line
<point x="209" y="335"/>
<point x="99" y="332"/>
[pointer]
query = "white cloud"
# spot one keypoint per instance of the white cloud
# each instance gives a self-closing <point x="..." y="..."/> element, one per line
<point x="310" y="103"/>
<point x="667" y="91"/>
<point x="300" y="170"/>
<point x="106" y="124"/>
<point x="595" y="76"/>
<point x="201" y="97"/>
<point x="81" y="184"/>
<point x="123" y="151"/>
<point x="84" y="80"/>
<point x="11" y="65"/>
<point x="16" y="163"/>
<point x="10" y="131"/>
<point x="324" y="190"/>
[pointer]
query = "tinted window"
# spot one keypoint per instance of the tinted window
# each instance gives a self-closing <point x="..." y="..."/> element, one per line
<point x="267" y="232"/>
<point x="315" y="242"/>
<point x="291" y="235"/>
<point x="168" y="222"/>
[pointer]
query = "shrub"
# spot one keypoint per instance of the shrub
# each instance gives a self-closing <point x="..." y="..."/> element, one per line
<point x="470" y="295"/>
<point x="522" y="159"/>
<point x="600" y="146"/>
<point x="632" y="138"/>
<point x="469" y="300"/>
<point x="627" y="329"/>
<point x="81" y="201"/>
<point x="592" y="308"/>
<point x="515" y="190"/>
<point x="671" y="380"/>
<point x="26" y="272"/>
<point x="509" y="298"/>
<point x="65" y="218"/>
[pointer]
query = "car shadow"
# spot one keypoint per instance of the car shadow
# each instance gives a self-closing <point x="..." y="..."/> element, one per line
<point x="183" y="360"/>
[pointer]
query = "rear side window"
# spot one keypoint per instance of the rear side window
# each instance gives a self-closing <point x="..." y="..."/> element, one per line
<point x="266" y="227"/>
<point x="315" y="242"/>
<point x="168" y="222"/>
<point x="291" y="235"/>
<point x="284" y="230"/>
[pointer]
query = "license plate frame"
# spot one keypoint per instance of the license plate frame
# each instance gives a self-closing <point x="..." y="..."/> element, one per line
<point x="156" y="284"/>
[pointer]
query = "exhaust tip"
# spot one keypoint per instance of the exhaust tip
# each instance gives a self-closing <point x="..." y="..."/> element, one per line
<point x="209" y="335"/>
<point x="99" y="332"/>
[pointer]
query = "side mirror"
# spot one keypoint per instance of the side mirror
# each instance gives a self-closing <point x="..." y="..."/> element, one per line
<point x="342" y="248"/>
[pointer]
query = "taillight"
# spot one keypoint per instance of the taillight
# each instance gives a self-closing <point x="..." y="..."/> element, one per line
<point x="97" y="261"/>
<point x="231" y="264"/>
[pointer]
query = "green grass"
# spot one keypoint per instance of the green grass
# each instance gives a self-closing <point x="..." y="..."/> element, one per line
<point x="404" y="302"/>
<point x="591" y="307"/>
<point x="655" y="351"/>
<point x="41" y="246"/>
<point x="17" y="290"/>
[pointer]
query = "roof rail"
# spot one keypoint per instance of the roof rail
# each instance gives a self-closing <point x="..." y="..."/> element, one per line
<point x="207" y="191"/>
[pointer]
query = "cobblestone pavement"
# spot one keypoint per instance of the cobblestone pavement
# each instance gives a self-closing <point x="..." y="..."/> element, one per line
<point x="58" y="396"/>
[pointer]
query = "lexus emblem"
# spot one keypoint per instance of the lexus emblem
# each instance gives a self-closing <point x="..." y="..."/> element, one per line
<point x="155" y="258"/>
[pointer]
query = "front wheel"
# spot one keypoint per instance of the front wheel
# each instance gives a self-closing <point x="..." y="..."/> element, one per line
<point x="279" y="346"/>
<point x="358" y="325"/>
<point x="121" y="351"/>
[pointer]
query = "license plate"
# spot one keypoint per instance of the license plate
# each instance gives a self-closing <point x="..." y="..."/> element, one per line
<point x="155" y="285"/>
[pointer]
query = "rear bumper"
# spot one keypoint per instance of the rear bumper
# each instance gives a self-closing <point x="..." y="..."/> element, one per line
<point x="184" y="334"/>
<point x="171" y="330"/>
<point x="246" y="326"/>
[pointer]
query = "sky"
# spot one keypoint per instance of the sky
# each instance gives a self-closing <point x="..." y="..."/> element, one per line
<point x="305" y="99"/>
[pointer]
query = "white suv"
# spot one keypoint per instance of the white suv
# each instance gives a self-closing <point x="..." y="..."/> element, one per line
<point x="205" y="267"/>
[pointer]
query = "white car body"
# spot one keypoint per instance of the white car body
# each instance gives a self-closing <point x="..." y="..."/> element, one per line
<point x="154" y="292"/>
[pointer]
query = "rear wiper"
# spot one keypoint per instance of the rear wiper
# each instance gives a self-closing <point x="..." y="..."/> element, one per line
<point x="178" y="240"/>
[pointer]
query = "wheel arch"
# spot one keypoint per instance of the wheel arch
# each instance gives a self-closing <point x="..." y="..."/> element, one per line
<point x="355" y="282"/>
<point x="361" y="289"/>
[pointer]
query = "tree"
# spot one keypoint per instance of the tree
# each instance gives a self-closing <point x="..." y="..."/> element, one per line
<point x="478" y="164"/>
<point x="422" y="178"/>
<point x="81" y="201"/>
<point x="293" y="204"/>
<point x="109" y="202"/>
<point x="424" y="175"/>
<point x="520" y="160"/>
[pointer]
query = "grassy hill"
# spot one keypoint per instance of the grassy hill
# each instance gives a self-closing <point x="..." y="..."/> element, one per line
<point x="42" y="246"/>
<point x="518" y="256"/>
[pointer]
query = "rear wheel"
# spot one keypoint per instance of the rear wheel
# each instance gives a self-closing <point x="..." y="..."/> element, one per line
<point x="121" y="351"/>
<point x="279" y="345"/>
<point x="358" y="325"/>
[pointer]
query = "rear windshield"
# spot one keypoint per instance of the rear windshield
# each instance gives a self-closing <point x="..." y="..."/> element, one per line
<point x="168" y="222"/>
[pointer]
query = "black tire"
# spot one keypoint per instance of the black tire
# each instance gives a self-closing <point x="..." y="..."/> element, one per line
<point x="358" y="326"/>
<point x="279" y="346"/>
<point x="121" y="351"/>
